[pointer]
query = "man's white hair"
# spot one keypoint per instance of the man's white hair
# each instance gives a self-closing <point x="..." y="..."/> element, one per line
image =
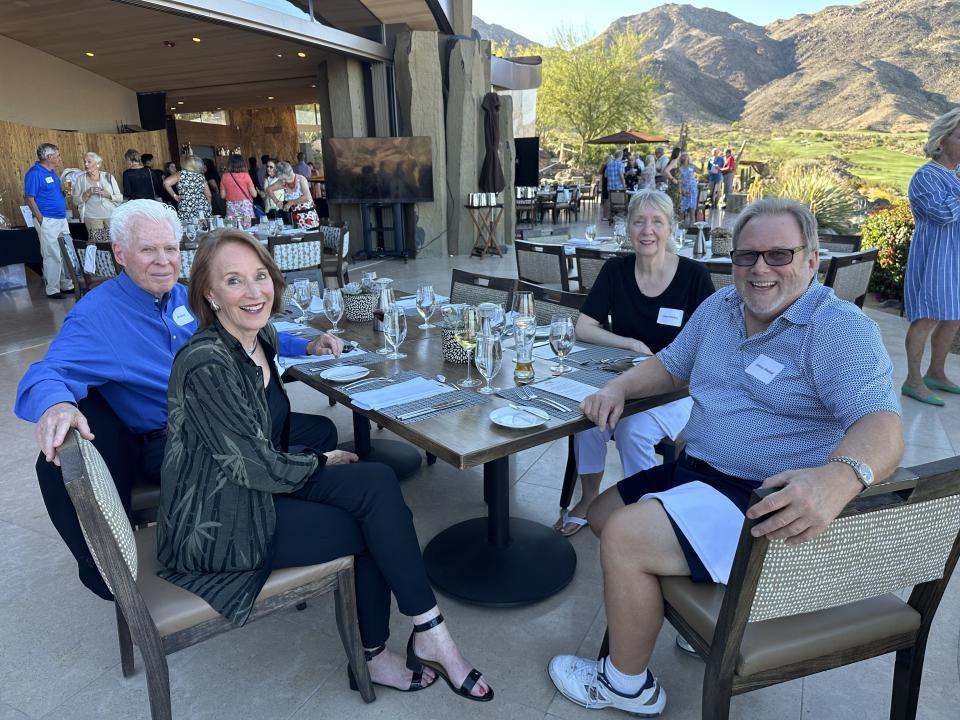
<point x="128" y="212"/>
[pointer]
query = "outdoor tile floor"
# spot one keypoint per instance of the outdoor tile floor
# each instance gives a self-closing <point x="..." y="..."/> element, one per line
<point x="58" y="651"/>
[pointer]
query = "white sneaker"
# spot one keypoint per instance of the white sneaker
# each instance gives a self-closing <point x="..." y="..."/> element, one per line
<point x="584" y="682"/>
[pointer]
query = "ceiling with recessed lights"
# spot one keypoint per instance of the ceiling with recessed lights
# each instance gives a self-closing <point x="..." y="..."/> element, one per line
<point x="201" y="65"/>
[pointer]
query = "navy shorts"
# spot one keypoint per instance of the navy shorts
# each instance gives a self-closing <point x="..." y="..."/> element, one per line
<point x="685" y="470"/>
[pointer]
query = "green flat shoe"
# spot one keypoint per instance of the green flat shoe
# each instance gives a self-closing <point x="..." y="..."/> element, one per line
<point x="929" y="398"/>
<point x="935" y="384"/>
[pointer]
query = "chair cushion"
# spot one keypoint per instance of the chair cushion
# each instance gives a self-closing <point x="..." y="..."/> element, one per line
<point x="784" y="641"/>
<point x="174" y="609"/>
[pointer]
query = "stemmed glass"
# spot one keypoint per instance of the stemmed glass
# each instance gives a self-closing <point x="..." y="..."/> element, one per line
<point x="385" y="300"/>
<point x="523" y="305"/>
<point x="561" y="340"/>
<point x="395" y="332"/>
<point x="301" y="297"/>
<point x="426" y="304"/>
<point x="333" y="308"/>
<point x="493" y="317"/>
<point x="190" y="232"/>
<point x="591" y="232"/>
<point x="466" y="337"/>
<point x="489" y="359"/>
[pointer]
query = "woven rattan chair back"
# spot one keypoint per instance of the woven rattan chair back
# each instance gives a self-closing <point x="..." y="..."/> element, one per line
<point x="297" y="253"/>
<point x="186" y="261"/>
<point x="68" y="255"/>
<point x="618" y="202"/>
<point x="841" y="243"/>
<point x="553" y="302"/>
<point x="473" y="289"/>
<point x="721" y="273"/>
<point x="542" y="263"/>
<point x="589" y="263"/>
<point x="849" y="276"/>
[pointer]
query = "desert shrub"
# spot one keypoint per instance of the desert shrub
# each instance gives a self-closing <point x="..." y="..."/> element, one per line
<point x="890" y="231"/>
<point x="830" y="197"/>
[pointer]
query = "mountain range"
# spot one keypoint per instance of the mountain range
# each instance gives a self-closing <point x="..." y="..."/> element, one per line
<point x="880" y="65"/>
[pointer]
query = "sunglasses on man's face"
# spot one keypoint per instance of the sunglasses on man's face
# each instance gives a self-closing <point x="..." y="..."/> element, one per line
<point x="774" y="258"/>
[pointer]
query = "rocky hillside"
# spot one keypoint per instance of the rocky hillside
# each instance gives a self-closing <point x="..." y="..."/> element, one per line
<point x="499" y="34"/>
<point x="882" y="65"/>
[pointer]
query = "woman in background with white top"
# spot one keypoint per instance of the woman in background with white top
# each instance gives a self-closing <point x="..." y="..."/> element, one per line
<point x="96" y="194"/>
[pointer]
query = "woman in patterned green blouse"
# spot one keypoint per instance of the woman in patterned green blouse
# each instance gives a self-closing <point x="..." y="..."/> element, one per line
<point x="238" y="500"/>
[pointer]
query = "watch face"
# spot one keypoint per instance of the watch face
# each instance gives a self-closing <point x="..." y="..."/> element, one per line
<point x="865" y="472"/>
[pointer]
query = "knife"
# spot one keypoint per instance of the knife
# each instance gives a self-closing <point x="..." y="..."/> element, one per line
<point x="536" y="412"/>
<point x="426" y="411"/>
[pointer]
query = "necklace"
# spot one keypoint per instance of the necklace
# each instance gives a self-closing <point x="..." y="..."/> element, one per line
<point x="252" y="350"/>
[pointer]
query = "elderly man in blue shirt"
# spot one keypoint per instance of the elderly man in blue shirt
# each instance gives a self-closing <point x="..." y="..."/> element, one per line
<point x="41" y="190"/>
<point x="120" y="341"/>
<point x="792" y="390"/>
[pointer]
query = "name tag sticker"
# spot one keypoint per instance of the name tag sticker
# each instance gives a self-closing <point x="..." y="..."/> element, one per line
<point x="764" y="369"/>
<point x="670" y="316"/>
<point x="182" y="316"/>
<point x="48" y="180"/>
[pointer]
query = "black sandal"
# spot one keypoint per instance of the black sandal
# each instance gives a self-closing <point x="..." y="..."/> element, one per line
<point x="413" y="660"/>
<point x="415" y="682"/>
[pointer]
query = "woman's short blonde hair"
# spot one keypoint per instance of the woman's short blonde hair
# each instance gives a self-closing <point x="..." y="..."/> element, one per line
<point x="192" y="163"/>
<point x="654" y="198"/>
<point x="200" y="280"/>
<point x="96" y="158"/>
<point x="939" y="129"/>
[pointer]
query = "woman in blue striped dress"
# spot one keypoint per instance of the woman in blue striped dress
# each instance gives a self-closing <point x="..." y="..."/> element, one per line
<point x="932" y="287"/>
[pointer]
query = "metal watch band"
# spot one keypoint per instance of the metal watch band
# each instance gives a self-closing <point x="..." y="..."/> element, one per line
<point x="855" y="464"/>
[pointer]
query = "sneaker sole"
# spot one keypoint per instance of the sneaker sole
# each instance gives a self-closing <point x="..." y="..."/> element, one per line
<point x="655" y="711"/>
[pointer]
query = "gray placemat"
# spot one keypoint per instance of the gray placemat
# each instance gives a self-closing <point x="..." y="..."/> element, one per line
<point x="591" y="376"/>
<point x="368" y="358"/>
<point x="516" y="395"/>
<point x="592" y="354"/>
<point x="468" y="398"/>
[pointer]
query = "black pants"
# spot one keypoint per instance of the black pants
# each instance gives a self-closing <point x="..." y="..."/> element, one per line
<point x="132" y="460"/>
<point x="357" y="510"/>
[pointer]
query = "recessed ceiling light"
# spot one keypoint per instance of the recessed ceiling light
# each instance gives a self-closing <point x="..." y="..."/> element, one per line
<point x="269" y="97"/>
<point x="169" y="43"/>
<point x="195" y="39"/>
<point x="173" y="108"/>
<point x="301" y="54"/>
<point x="179" y="102"/>
<point x="313" y="86"/>
<point x="280" y="55"/>
<point x="219" y="108"/>
<point x="88" y="54"/>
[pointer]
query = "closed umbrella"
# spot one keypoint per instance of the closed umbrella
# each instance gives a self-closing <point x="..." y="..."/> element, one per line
<point x="627" y="137"/>
<point x="491" y="173"/>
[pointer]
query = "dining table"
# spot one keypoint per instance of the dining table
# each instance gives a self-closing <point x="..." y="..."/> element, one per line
<point x="498" y="560"/>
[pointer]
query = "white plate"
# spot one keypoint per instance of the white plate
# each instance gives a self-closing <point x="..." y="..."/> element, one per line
<point x="543" y="331"/>
<point x="345" y="373"/>
<point x="515" y="419"/>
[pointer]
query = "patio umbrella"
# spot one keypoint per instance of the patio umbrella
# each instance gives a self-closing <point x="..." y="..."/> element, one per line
<point x="491" y="173"/>
<point x="628" y="137"/>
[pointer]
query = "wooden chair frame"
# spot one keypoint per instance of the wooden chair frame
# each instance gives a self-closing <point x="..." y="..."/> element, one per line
<point x="841" y="243"/>
<point x="134" y="623"/>
<point x="939" y="479"/>
<point x="463" y="277"/>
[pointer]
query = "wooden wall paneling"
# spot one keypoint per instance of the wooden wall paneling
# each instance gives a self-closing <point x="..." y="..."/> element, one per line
<point x="268" y="131"/>
<point x="18" y="148"/>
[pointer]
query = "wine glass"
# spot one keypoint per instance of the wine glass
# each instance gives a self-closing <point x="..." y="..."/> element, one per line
<point x="591" y="232"/>
<point x="466" y="337"/>
<point x="426" y="304"/>
<point x="333" y="308"/>
<point x="523" y="304"/>
<point x="395" y="332"/>
<point x="385" y="300"/>
<point x="561" y="340"/>
<point x="489" y="359"/>
<point x="190" y="232"/>
<point x="301" y="297"/>
<point x="494" y="319"/>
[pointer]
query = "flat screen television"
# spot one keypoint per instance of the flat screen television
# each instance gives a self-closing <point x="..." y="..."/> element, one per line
<point x="378" y="170"/>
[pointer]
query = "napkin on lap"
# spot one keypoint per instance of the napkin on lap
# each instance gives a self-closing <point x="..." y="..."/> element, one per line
<point x="399" y="393"/>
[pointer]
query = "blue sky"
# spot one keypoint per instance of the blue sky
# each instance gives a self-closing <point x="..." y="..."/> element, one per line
<point x="535" y="19"/>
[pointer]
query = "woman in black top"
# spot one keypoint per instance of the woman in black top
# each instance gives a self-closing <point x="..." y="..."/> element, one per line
<point x="139" y="182"/>
<point x="638" y="303"/>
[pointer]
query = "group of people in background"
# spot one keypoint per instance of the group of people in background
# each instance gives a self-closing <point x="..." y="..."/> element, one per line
<point x="196" y="189"/>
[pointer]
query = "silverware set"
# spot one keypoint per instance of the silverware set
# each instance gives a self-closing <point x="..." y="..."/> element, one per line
<point x="527" y="394"/>
<point x="426" y="411"/>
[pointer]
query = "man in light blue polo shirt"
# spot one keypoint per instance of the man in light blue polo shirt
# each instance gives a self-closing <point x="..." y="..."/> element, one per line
<point x="41" y="189"/>
<point x="792" y="390"/>
<point x="120" y="340"/>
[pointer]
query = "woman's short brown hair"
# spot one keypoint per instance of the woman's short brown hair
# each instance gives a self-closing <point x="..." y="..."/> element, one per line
<point x="237" y="164"/>
<point x="200" y="271"/>
<point x="132" y="155"/>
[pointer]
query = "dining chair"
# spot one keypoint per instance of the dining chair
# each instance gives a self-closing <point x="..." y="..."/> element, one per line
<point x="543" y="263"/>
<point x="789" y="611"/>
<point x="187" y="252"/>
<point x="297" y="253"/>
<point x="160" y="617"/>
<point x="849" y="275"/>
<point x="333" y="260"/>
<point x="618" y="203"/>
<point x="721" y="273"/>
<point x="73" y="254"/>
<point x="473" y="289"/>
<point x="589" y="263"/>
<point x="549" y="302"/>
<point x="840" y="243"/>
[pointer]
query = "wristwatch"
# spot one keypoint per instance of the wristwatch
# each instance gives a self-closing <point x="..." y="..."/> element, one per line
<point x="863" y="471"/>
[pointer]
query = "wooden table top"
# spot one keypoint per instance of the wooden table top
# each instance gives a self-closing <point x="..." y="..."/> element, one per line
<point x="468" y="437"/>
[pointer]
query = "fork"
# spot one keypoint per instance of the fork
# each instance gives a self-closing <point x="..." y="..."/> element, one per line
<point x="358" y="383"/>
<point x="531" y="395"/>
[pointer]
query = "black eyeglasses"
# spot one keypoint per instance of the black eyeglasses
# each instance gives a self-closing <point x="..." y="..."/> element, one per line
<point x="774" y="258"/>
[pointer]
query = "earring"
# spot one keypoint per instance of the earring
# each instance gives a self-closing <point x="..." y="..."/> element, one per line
<point x="214" y="306"/>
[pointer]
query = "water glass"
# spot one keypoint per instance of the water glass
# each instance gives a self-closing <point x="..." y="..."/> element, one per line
<point x="302" y="295"/>
<point x="489" y="359"/>
<point x="466" y="336"/>
<point x="333" y="308"/>
<point x="591" y="232"/>
<point x="190" y="232"/>
<point x="385" y="300"/>
<point x="561" y="340"/>
<point x="494" y="320"/>
<point x="426" y="304"/>
<point x="523" y="304"/>
<point x="394" y="333"/>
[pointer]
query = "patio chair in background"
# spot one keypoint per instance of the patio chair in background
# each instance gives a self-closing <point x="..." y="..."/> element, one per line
<point x="589" y="263"/>
<point x="849" y="275"/>
<point x="543" y="263"/>
<point x="473" y="289"/>
<point x="721" y="273"/>
<point x="618" y="203"/>
<point x="789" y="611"/>
<point x="840" y="243"/>
<point x="549" y="302"/>
<point x="162" y="618"/>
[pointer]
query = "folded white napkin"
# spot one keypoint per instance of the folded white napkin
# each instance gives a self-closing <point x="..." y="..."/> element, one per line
<point x="316" y="304"/>
<point x="90" y="259"/>
<point x="288" y="362"/>
<point x="565" y="387"/>
<point x="545" y="352"/>
<point x="399" y="393"/>
<point x="286" y="326"/>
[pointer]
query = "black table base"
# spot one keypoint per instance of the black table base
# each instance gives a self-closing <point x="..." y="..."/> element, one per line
<point x="404" y="459"/>
<point x="499" y="561"/>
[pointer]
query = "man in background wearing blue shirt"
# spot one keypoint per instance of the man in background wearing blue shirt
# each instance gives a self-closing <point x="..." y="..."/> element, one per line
<point x="41" y="189"/>
<point x="615" y="176"/>
<point x="792" y="390"/>
<point x="120" y="341"/>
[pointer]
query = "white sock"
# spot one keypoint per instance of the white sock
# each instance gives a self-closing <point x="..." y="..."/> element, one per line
<point x="621" y="682"/>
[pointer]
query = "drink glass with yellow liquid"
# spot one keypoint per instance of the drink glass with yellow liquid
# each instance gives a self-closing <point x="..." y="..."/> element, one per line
<point x="466" y="333"/>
